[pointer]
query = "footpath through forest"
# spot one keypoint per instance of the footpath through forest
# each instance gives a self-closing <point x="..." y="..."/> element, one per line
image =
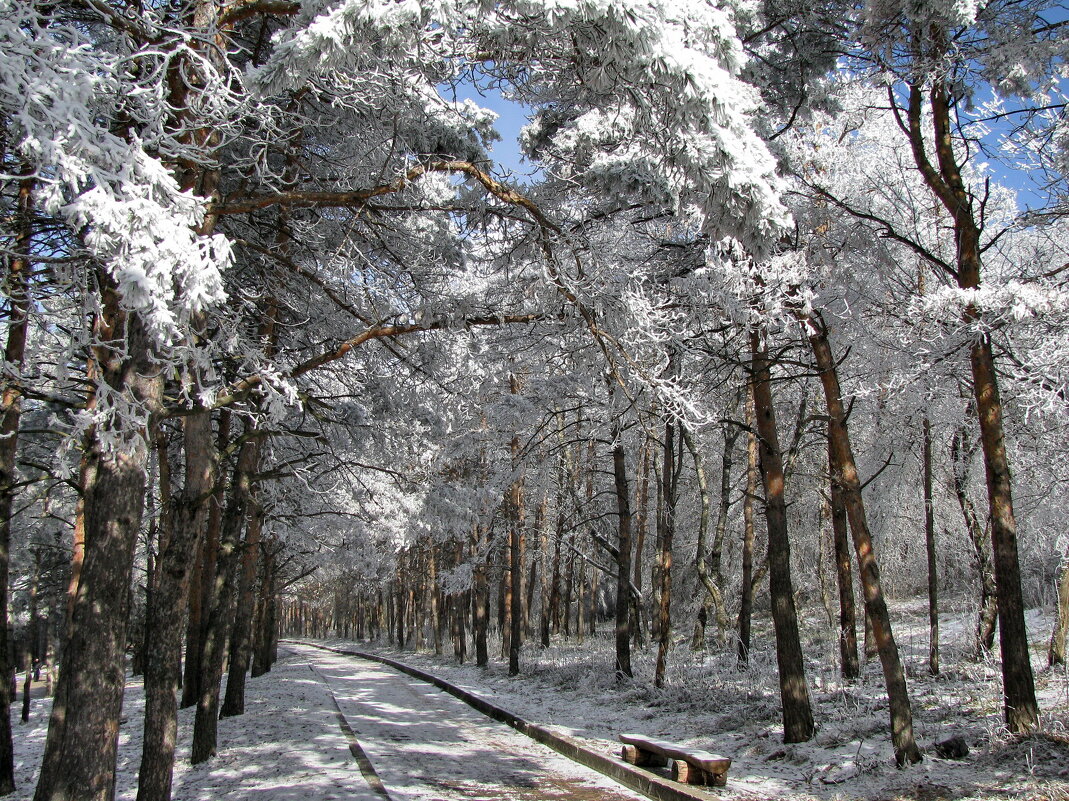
<point x="423" y="744"/>
<point x="710" y="704"/>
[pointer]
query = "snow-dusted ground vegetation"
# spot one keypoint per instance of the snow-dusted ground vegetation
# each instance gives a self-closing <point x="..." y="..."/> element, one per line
<point x="709" y="703"/>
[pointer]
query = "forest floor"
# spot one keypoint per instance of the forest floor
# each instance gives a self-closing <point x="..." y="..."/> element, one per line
<point x="288" y="746"/>
<point x="709" y="703"/>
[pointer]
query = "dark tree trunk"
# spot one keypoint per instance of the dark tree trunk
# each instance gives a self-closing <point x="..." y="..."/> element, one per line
<point x="515" y="584"/>
<point x="929" y="541"/>
<point x="10" y="415"/>
<point x="265" y="630"/>
<point x="164" y="616"/>
<point x="987" y="617"/>
<point x="241" y="636"/>
<point x="50" y="766"/>
<point x="623" y="558"/>
<point x="435" y="597"/>
<point x="481" y="610"/>
<point x="1020" y="709"/>
<point x="946" y="182"/>
<point x="746" y="601"/>
<point x="219" y="610"/>
<point x="544" y="595"/>
<point x="84" y="729"/>
<point x="1056" y="650"/>
<point x="848" y="655"/>
<point x="555" y="588"/>
<point x="666" y="523"/>
<point x="504" y="606"/>
<point x="794" y="693"/>
<point x="31" y="639"/>
<point x="640" y="540"/>
<point x="202" y="579"/>
<point x="844" y="473"/>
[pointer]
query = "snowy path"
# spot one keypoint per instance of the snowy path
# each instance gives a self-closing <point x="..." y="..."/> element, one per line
<point x="427" y="745"/>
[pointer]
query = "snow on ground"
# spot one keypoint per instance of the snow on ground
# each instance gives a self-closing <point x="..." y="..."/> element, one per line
<point x="710" y="703"/>
<point x="286" y="747"/>
<point x="427" y="745"/>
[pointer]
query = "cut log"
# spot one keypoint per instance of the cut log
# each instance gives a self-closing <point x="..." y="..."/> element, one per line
<point x="689" y="766"/>
<point x="643" y="758"/>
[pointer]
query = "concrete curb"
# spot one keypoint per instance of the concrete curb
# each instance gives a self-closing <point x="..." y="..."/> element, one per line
<point x="649" y="784"/>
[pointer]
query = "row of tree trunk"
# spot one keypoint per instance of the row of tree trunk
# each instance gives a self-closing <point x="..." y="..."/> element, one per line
<point x="210" y="593"/>
<point x="409" y="611"/>
<point x="413" y="610"/>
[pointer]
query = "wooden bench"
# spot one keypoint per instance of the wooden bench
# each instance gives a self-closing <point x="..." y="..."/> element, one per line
<point x="688" y="766"/>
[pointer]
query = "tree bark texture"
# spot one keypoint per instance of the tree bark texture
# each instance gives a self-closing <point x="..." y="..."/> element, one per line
<point x="85" y="729"/>
<point x="1018" y="682"/>
<point x="219" y="610"/>
<point x="848" y="656"/>
<point x="930" y="545"/>
<point x="844" y="473"/>
<point x="641" y="517"/>
<point x="666" y="522"/>
<point x="1056" y="650"/>
<point x="747" y="588"/>
<point x="202" y="579"/>
<point x="987" y="617"/>
<point x="798" y="723"/>
<point x="164" y="616"/>
<point x="266" y="630"/>
<point x="481" y="610"/>
<point x="945" y="180"/>
<point x="241" y="635"/>
<point x="623" y="558"/>
<point x="10" y="416"/>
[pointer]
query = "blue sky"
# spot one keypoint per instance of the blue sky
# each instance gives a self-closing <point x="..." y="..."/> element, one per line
<point x="512" y="117"/>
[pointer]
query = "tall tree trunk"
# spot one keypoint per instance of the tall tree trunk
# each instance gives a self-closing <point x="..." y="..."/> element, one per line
<point x="504" y="596"/>
<point x="516" y="521"/>
<point x="544" y="593"/>
<point x="640" y="539"/>
<point x="481" y="611"/>
<point x="709" y="568"/>
<point x="848" y="656"/>
<point x="163" y="618"/>
<point x="10" y="415"/>
<point x="205" y="724"/>
<point x="987" y="618"/>
<point x="746" y="601"/>
<point x="666" y="523"/>
<point x="929" y="541"/>
<point x="534" y="565"/>
<point x="623" y="556"/>
<point x="555" y="616"/>
<point x="580" y="603"/>
<point x="266" y="630"/>
<point x="240" y="637"/>
<point x="203" y="576"/>
<point x="50" y="765"/>
<point x="844" y="473"/>
<point x="1056" y="650"/>
<point x="435" y="597"/>
<point x="31" y="638"/>
<point x="946" y="182"/>
<point x="1018" y="683"/>
<point x="794" y="693"/>
<point x="84" y="731"/>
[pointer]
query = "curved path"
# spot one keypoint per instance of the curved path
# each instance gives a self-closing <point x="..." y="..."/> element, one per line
<point x="425" y="744"/>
